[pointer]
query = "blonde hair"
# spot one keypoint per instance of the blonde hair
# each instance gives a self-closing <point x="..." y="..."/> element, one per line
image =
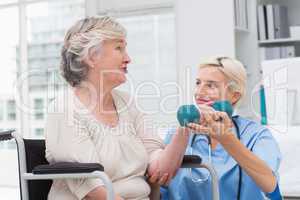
<point x="85" y="35"/>
<point x="233" y="70"/>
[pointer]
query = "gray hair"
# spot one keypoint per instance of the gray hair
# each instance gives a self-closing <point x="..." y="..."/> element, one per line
<point x="85" y="35"/>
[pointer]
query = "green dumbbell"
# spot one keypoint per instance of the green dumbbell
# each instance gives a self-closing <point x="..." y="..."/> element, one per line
<point x="191" y="114"/>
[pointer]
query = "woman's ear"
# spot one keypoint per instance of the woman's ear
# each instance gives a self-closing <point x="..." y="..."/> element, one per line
<point x="93" y="57"/>
<point x="89" y="61"/>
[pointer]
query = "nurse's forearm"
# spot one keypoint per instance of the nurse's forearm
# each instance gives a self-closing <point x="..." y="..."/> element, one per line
<point x="254" y="166"/>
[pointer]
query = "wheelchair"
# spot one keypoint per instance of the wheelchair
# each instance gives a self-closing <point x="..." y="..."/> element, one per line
<point x="36" y="174"/>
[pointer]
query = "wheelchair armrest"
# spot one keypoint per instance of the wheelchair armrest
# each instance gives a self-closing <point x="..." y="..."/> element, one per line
<point x="67" y="168"/>
<point x="190" y="161"/>
<point x="6" y="135"/>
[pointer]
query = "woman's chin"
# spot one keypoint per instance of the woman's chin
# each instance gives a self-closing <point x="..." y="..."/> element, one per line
<point x="123" y="79"/>
<point x="120" y="80"/>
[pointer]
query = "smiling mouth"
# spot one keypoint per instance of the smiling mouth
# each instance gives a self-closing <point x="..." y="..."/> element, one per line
<point x="204" y="101"/>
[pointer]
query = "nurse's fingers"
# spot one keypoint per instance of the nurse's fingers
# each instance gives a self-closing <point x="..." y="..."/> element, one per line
<point x="171" y="176"/>
<point x="205" y="111"/>
<point x="168" y="181"/>
<point x="216" y="117"/>
<point x="154" y="177"/>
<point x="197" y="128"/>
<point x="163" y="180"/>
<point x="208" y="117"/>
<point x="225" y="120"/>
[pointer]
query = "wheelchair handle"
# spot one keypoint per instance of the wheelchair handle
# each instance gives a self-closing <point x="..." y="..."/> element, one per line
<point x="6" y="135"/>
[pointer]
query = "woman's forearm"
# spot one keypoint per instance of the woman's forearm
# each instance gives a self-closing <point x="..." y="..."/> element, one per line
<point x="169" y="160"/>
<point x="175" y="150"/>
<point x="254" y="166"/>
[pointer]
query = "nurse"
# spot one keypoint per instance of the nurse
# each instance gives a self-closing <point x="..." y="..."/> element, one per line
<point x="243" y="152"/>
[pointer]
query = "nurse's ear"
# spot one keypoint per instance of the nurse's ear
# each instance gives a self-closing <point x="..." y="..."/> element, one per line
<point x="235" y="97"/>
<point x="232" y="92"/>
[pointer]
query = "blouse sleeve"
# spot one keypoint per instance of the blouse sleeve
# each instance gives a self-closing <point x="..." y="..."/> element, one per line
<point x="143" y="125"/>
<point x="70" y="142"/>
<point x="146" y="130"/>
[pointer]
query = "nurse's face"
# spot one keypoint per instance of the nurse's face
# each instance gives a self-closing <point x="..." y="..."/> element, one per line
<point x="212" y="85"/>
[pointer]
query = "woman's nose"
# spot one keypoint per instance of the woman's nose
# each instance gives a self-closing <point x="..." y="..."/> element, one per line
<point x="127" y="59"/>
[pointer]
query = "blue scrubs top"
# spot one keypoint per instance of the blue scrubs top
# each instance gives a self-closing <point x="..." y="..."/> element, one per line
<point x="254" y="136"/>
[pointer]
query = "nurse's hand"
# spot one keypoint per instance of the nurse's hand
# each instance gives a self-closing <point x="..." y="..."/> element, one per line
<point x="159" y="179"/>
<point x="213" y="123"/>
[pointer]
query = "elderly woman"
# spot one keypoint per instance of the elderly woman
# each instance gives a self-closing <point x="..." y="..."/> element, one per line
<point x="96" y="123"/>
<point x="243" y="152"/>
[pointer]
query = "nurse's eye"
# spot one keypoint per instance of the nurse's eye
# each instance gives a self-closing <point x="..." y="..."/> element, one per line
<point x="198" y="82"/>
<point x="211" y="85"/>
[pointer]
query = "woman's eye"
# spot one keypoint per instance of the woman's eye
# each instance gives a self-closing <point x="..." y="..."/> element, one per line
<point x="120" y="48"/>
<point x="197" y="82"/>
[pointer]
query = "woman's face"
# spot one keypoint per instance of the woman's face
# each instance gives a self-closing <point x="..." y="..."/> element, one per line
<point x="110" y="62"/>
<point x="212" y="85"/>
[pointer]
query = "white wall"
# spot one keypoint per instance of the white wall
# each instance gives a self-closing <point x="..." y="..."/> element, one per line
<point x="117" y="6"/>
<point x="281" y="80"/>
<point x="203" y="28"/>
<point x="130" y="4"/>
